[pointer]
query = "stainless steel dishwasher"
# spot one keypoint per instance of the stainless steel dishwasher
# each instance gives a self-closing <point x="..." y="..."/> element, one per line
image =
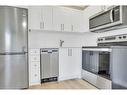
<point x="49" y="64"/>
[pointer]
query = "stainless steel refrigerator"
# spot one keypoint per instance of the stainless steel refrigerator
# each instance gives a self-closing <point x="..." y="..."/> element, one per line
<point x="13" y="48"/>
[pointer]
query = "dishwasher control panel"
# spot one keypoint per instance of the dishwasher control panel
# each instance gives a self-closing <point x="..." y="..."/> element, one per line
<point x="49" y="50"/>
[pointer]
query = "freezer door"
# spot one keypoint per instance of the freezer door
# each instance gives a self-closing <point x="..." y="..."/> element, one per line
<point x="13" y="71"/>
<point x="13" y="29"/>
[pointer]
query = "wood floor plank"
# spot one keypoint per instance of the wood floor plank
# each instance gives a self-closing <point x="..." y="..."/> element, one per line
<point x="67" y="84"/>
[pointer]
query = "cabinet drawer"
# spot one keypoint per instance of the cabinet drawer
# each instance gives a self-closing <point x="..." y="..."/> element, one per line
<point x="35" y="65"/>
<point x="34" y="72"/>
<point x="35" y="75"/>
<point x="35" y="58"/>
<point x="34" y="51"/>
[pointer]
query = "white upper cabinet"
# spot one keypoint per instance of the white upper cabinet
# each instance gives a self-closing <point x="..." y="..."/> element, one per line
<point x="61" y="19"/>
<point x="77" y="23"/>
<point x="68" y="20"/>
<point x="55" y="18"/>
<point x="34" y="17"/>
<point x="46" y="15"/>
<point x="40" y="18"/>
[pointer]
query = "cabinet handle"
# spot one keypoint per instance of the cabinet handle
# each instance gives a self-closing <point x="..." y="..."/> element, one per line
<point x="63" y="27"/>
<point x="71" y="27"/>
<point x="69" y="52"/>
<point x="43" y="25"/>
<point x="29" y="30"/>
<point x="35" y="65"/>
<point x="35" y="75"/>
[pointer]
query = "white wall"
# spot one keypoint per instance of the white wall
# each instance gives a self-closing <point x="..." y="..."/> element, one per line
<point x="40" y="39"/>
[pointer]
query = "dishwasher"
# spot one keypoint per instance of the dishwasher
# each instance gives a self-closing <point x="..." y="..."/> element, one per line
<point x="49" y="64"/>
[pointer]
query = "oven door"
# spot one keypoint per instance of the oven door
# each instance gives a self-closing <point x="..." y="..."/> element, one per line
<point x="96" y="60"/>
<point x="90" y="61"/>
<point x="95" y="66"/>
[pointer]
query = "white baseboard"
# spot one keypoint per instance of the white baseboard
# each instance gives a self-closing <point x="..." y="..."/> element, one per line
<point x="69" y="77"/>
<point x="34" y="83"/>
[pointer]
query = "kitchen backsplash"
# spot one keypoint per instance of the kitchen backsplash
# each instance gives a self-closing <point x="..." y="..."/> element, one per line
<point x="42" y="39"/>
<point x="45" y="39"/>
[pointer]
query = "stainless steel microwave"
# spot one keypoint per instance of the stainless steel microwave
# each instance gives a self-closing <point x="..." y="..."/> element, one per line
<point x="114" y="17"/>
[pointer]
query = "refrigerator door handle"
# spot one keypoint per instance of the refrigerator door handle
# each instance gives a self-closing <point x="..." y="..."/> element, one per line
<point x="24" y="49"/>
<point x="13" y="53"/>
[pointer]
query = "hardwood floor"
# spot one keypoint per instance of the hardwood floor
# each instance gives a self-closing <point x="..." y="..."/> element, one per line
<point x="68" y="84"/>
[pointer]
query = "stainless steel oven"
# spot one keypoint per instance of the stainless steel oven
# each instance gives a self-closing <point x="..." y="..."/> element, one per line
<point x="106" y="62"/>
<point x="97" y="60"/>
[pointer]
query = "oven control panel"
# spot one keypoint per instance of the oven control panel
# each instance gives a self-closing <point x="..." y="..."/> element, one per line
<point x="116" y="38"/>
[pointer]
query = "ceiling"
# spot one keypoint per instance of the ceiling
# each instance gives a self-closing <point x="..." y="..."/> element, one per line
<point x="78" y="7"/>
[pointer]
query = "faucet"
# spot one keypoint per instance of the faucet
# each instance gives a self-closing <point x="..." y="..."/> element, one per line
<point x="61" y="43"/>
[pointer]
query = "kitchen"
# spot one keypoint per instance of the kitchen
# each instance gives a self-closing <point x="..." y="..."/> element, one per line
<point x="56" y="35"/>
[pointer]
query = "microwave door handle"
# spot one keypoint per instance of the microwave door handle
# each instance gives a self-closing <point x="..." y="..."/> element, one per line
<point x="111" y="16"/>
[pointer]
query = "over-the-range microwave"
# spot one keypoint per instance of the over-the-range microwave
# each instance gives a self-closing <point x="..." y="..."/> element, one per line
<point x="114" y="18"/>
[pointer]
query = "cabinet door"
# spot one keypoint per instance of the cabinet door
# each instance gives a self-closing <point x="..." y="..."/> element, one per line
<point x="34" y="14"/>
<point x="46" y="18"/>
<point x="66" y="19"/>
<point x="69" y="63"/>
<point x="63" y="64"/>
<point x="77" y="21"/>
<point x="61" y="19"/>
<point x="76" y="62"/>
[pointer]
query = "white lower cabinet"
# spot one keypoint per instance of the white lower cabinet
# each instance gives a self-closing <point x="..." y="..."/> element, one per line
<point x="70" y="60"/>
<point x="69" y="63"/>
<point x="34" y="73"/>
<point x="34" y="66"/>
